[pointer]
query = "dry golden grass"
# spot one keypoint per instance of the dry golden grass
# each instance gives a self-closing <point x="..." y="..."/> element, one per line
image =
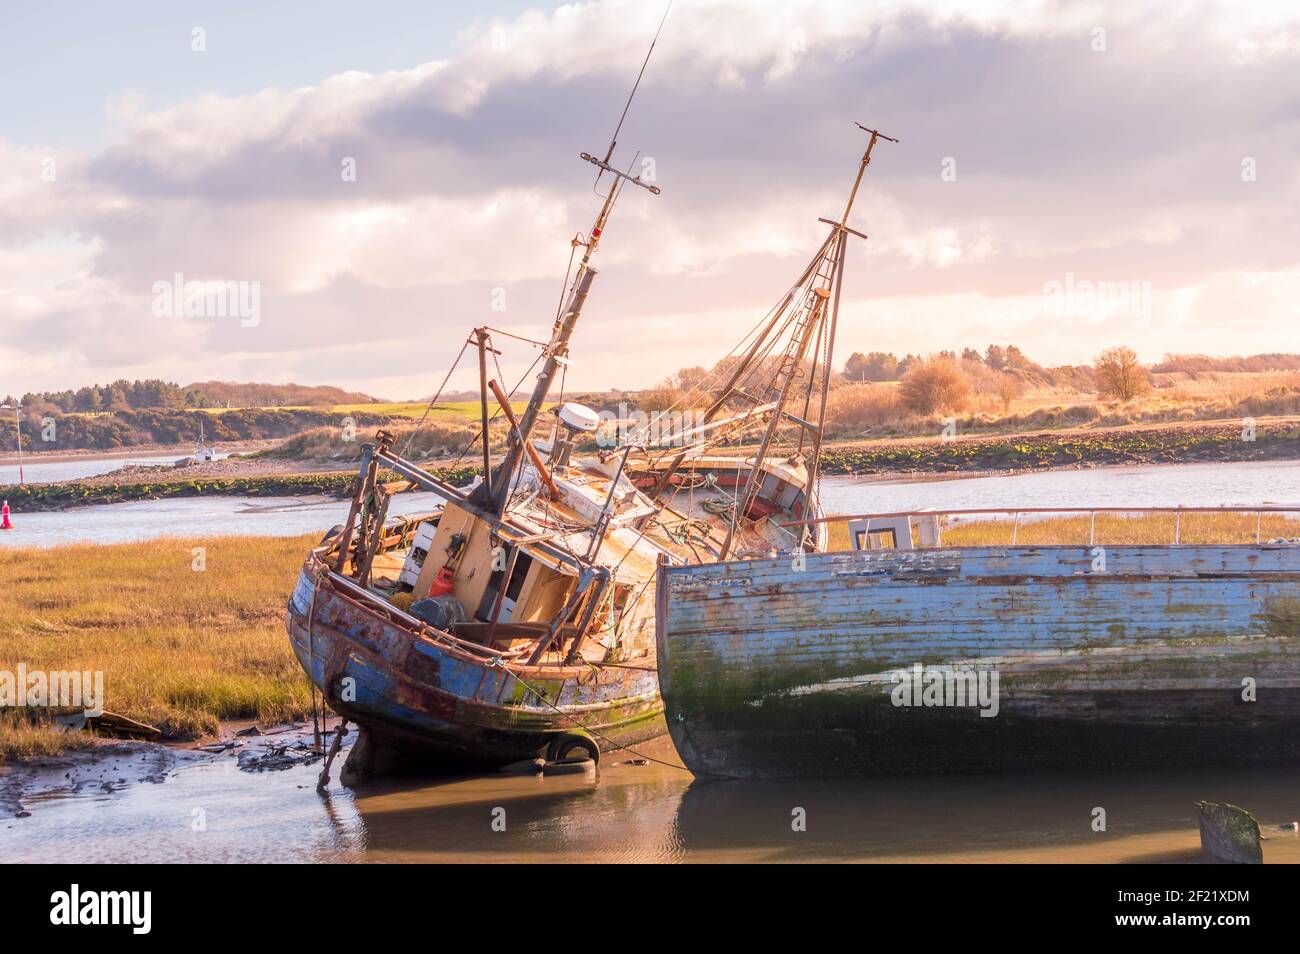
<point x="1173" y="397"/>
<point x="1111" y="529"/>
<point x="179" y="648"/>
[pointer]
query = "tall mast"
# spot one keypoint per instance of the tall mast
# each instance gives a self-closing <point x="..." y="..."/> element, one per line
<point x="820" y="305"/>
<point x="841" y="236"/>
<point x="557" y="350"/>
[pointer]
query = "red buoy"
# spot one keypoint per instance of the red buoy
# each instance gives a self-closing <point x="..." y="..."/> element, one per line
<point x="4" y="517"/>
<point x="443" y="583"/>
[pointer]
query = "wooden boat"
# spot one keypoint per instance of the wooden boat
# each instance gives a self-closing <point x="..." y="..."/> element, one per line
<point x="947" y="659"/>
<point x="905" y="655"/>
<point x="517" y="620"/>
<point x="555" y="653"/>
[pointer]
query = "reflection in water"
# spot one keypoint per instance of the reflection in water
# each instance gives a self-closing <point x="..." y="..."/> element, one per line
<point x="647" y="813"/>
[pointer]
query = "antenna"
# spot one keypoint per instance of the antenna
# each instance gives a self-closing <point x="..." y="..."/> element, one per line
<point x="557" y="350"/>
<point x="866" y="160"/>
<point x="604" y="164"/>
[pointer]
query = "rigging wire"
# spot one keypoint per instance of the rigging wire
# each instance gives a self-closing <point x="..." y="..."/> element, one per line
<point x="434" y="400"/>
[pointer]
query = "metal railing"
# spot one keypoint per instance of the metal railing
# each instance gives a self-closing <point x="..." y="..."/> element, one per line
<point x="1017" y="512"/>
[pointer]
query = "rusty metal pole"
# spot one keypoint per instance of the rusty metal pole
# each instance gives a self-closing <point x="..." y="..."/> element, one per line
<point x="814" y="469"/>
<point x="556" y="352"/>
<point x="481" y="334"/>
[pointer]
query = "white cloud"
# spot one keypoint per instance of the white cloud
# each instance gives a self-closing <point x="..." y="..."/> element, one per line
<point x="1115" y="165"/>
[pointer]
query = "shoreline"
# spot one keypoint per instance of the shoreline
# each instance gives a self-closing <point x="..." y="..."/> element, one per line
<point x="71" y="455"/>
<point x="896" y="459"/>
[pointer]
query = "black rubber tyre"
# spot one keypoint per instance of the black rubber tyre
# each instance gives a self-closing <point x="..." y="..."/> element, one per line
<point x="571" y="745"/>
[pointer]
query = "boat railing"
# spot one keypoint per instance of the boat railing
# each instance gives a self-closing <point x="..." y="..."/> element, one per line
<point x="1017" y="512"/>
<point x="352" y="590"/>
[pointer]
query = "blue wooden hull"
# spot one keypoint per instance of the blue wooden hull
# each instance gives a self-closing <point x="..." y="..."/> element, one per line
<point x="432" y="706"/>
<point x="961" y="659"/>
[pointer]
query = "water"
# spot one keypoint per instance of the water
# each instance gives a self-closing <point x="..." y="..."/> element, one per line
<point x="1243" y="484"/>
<point x="648" y="813"/>
<point x="195" y="517"/>
<point x="1166" y="485"/>
<point x="651" y="812"/>
<point x="55" y="471"/>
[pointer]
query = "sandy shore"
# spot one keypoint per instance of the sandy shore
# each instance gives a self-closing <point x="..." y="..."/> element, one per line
<point x="226" y="468"/>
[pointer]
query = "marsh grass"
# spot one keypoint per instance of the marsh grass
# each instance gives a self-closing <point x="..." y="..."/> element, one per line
<point x="1111" y="529"/>
<point x="181" y="649"/>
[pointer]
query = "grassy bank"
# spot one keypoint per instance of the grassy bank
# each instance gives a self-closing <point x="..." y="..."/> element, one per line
<point x="1168" y="444"/>
<point x="179" y="648"/>
<point x="1109" y="530"/>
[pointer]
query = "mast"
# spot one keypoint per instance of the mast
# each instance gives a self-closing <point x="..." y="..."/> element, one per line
<point x="557" y="350"/>
<point x="818" y="313"/>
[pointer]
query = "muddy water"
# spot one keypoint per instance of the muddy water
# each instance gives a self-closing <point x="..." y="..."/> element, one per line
<point x="207" y="809"/>
<point x="1256" y="483"/>
<point x="1238" y="484"/>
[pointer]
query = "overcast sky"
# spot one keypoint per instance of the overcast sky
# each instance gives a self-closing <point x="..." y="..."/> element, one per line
<point x="1043" y="147"/>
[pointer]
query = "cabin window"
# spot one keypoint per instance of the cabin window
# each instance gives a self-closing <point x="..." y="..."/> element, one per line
<point x="521" y="573"/>
<point x="514" y="586"/>
<point x="876" y="540"/>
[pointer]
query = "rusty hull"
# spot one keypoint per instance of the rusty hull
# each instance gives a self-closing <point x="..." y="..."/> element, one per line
<point x="769" y="670"/>
<point x="441" y="707"/>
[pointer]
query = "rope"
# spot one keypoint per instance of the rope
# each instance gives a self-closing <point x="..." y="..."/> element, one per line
<point x="311" y="656"/>
<point x="434" y="400"/>
<point x="604" y="738"/>
<point x="477" y="435"/>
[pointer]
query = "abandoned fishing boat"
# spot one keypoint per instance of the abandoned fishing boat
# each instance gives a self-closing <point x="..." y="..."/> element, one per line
<point x="907" y="656"/>
<point x="932" y="659"/>
<point x="517" y="620"/>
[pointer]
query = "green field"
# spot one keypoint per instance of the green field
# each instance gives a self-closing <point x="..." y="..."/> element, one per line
<point x="446" y="411"/>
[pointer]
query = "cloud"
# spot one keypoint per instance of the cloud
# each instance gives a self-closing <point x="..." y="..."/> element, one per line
<point x="1114" y="156"/>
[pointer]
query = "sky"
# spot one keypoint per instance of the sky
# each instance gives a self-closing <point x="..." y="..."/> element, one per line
<point x="375" y="180"/>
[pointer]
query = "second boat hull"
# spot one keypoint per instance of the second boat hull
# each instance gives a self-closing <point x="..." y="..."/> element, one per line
<point x="948" y="660"/>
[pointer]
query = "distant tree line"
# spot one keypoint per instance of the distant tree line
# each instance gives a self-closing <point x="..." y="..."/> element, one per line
<point x="131" y="428"/>
<point x="884" y="366"/>
<point x="1192" y="363"/>
<point x="155" y="394"/>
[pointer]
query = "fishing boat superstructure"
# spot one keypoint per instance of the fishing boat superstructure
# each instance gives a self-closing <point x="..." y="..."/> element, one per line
<point x="517" y="620"/>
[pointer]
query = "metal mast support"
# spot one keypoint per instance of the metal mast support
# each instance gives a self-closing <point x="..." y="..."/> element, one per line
<point x="481" y="336"/>
<point x="815" y="307"/>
